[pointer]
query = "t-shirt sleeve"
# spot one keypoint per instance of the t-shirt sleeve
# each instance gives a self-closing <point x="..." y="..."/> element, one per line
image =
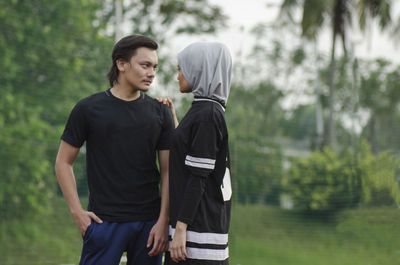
<point x="200" y="162"/>
<point x="164" y="143"/>
<point x="76" y="129"/>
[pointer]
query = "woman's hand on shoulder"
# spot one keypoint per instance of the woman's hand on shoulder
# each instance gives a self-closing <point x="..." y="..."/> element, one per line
<point x="168" y="102"/>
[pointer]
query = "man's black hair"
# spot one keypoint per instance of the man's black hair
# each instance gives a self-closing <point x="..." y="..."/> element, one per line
<point x="124" y="49"/>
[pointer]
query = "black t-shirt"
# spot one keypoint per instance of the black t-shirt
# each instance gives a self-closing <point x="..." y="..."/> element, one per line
<point x="122" y="138"/>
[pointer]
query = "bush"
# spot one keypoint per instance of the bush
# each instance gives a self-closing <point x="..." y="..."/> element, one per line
<point x="379" y="185"/>
<point x="324" y="182"/>
<point x="328" y="181"/>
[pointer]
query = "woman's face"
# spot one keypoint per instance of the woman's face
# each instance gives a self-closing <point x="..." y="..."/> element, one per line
<point x="183" y="84"/>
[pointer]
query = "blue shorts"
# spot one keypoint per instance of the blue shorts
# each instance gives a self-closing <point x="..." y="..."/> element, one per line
<point x="104" y="244"/>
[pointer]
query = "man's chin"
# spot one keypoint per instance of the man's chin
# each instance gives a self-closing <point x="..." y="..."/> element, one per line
<point x="144" y="88"/>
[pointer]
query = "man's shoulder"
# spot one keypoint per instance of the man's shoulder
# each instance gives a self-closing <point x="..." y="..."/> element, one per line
<point x="151" y="100"/>
<point x="89" y="100"/>
<point x="154" y="103"/>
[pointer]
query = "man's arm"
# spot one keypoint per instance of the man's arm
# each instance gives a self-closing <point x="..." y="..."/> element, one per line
<point x="65" y="175"/>
<point x="159" y="233"/>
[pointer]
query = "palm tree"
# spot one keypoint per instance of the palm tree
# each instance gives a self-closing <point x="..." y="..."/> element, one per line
<point x="315" y="14"/>
<point x="369" y="10"/>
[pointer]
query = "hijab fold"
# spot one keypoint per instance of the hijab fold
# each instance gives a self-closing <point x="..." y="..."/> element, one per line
<point x="207" y="66"/>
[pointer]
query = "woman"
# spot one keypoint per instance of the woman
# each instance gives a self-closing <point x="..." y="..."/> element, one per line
<point x="200" y="187"/>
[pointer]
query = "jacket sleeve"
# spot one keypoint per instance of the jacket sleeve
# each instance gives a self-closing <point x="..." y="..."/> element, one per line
<point x="200" y="161"/>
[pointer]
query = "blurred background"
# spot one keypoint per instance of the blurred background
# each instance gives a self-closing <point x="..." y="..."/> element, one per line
<point x="313" y="117"/>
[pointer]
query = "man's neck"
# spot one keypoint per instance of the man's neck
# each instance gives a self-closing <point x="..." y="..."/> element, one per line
<point x="124" y="92"/>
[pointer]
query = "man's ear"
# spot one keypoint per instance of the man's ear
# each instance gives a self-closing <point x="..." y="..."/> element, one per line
<point x="121" y="65"/>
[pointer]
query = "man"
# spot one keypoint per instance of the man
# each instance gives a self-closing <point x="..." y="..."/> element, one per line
<point x="123" y="129"/>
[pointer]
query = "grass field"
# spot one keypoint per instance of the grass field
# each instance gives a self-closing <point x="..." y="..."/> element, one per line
<point x="263" y="235"/>
<point x="260" y="235"/>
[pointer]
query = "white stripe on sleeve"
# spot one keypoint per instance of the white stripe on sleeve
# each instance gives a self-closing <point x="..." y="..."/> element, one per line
<point x="200" y="162"/>
<point x="203" y="238"/>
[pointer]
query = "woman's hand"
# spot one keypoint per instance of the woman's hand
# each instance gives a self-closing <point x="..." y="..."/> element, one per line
<point x="168" y="102"/>
<point x="178" y="245"/>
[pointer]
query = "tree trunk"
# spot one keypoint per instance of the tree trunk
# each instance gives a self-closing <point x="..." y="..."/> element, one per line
<point x="372" y="133"/>
<point x="331" y="137"/>
<point x="319" y="111"/>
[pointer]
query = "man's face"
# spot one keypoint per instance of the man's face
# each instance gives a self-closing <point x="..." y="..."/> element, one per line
<point x="139" y="73"/>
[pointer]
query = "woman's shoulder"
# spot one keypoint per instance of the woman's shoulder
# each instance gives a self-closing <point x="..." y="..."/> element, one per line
<point x="206" y="112"/>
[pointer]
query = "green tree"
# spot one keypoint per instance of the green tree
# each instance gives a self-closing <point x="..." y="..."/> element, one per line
<point x="165" y="21"/>
<point x="380" y="96"/>
<point x="367" y="97"/>
<point x="339" y="12"/>
<point x="253" y="115"/>
<point x="54" y="53"/>
<point x="24" y="182"/>
<point x="51" y="56"/>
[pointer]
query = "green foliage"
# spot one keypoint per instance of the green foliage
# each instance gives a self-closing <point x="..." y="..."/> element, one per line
<point x="52" y="54"/>
<point x="328" y="181"/>
<point x="324" y="182"/>
<point x="380" y="96"/>
<point x="341" y="13"/>
<point x="162" y="19"/>
<point x="301" y="124"/>
<point x="256" y="173"/>
<point x="379" y="185"/>
<point x="253" y="116"/>
<point x="298" y="56"/>
<point x="25" y="184"/>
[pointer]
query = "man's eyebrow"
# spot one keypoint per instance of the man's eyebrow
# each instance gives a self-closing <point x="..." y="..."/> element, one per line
<point x="148" y="62"/>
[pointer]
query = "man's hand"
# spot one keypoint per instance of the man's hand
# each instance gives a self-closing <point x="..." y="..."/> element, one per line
<point x="158" y="237"/>
<point x="178" y="246"/>
<point x="84" y="218"/>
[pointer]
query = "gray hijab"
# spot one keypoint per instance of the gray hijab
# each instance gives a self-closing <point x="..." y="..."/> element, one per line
<point x="207" y="66"/>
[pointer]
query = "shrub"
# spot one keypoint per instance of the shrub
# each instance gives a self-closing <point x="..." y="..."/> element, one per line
<point x="324" y="182"/>
<point x="379" y="185"/>
<point x="328" y="181"/>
